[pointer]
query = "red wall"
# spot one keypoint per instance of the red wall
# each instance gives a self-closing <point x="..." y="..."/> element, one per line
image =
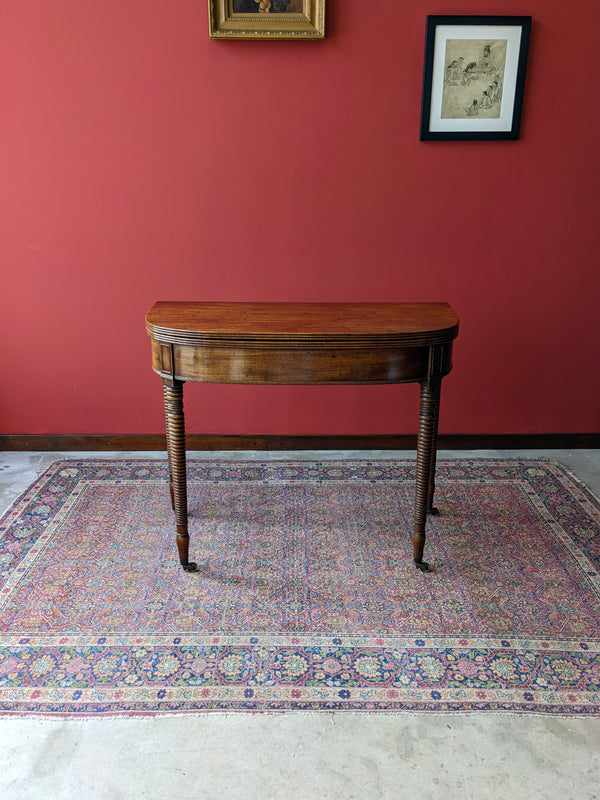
<point x="140" y="161"/>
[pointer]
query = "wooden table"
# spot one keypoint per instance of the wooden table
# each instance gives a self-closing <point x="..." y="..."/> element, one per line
<point x="302" y="343"/>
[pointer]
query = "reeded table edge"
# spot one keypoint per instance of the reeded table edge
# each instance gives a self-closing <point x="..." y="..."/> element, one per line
<point x="316" y="341"/>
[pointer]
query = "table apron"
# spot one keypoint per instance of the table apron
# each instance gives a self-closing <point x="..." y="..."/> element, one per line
<point x="291" y="364"/>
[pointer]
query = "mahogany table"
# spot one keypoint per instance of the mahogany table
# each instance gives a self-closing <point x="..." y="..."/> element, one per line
<point x="302" y="343"/>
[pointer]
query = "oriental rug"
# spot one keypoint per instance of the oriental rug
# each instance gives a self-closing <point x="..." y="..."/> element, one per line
<point x="306" y="597"/>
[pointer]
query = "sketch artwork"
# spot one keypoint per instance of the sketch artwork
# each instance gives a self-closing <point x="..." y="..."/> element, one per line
<point x="473" y="78"/>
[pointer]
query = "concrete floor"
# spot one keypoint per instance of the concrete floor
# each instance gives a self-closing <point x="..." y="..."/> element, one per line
<point x="299" y="756"/>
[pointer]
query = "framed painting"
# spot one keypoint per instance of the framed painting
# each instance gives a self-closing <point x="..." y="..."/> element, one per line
<point x="474" y="77"/>
<point x="266" y="19"/>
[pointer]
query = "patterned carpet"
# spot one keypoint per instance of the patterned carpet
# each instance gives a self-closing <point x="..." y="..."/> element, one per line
<point x="306" y="597"/>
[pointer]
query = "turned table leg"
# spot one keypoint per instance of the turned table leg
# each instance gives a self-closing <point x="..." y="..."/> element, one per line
<point x="431" y="509"/>
<point x="175" y="431"/>
<point x="426" y="457"/>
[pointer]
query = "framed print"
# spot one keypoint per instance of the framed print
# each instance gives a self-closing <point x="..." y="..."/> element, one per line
<point x="266" y="19"/>
<point x="474" y="77"/>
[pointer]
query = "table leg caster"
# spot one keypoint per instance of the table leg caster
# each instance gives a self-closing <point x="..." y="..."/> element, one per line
<point x="190" y="566"/>
<point x="423" y="565"/>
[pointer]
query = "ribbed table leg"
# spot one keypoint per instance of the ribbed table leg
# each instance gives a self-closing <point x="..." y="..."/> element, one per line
<point x="175" y="430"/>
<point x="426" y="443"/>
<point x="431" y="509"/>
<point x="169" y="462"/>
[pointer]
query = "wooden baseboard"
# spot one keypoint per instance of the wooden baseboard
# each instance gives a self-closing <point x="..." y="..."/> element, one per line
<point x="516" y="441"/>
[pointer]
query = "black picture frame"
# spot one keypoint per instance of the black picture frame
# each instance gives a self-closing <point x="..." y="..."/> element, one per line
<point x="474" y="77"/>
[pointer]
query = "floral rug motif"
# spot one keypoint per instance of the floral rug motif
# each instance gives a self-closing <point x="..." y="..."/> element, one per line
<point x="306" y="596"/>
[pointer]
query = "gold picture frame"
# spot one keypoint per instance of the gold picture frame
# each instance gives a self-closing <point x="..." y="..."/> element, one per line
<point x="266" y="19"/>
